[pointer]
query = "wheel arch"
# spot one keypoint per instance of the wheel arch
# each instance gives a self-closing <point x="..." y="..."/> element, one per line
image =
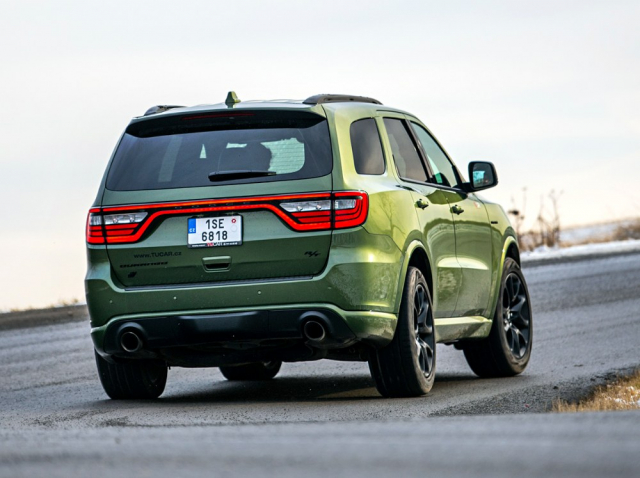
<point x="509" y="249"/>
<point x="416" y="256"/>
<point x="420" y="260"/>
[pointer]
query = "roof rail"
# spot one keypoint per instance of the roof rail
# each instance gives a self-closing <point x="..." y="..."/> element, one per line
<point x="160" y="109"/>
<point x="320" y="99"/>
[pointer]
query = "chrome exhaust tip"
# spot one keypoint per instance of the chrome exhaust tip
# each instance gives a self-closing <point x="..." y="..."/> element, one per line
<point x="130" y="341"/>
<point x="314" y="331"/>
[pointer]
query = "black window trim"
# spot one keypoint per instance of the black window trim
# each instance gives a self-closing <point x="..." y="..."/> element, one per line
<point x="417" y="145"/>
<point x="423" y="155"/>
<point x="384" y="153"/>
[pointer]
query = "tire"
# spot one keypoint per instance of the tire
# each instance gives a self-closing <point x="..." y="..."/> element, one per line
<point x="135" y="379"/>
<point x="252" y="371"/>
<point x="407" y="366"/>
<point x="507" y="349"/>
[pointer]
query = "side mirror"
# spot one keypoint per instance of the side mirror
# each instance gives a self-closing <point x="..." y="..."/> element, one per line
<point x="482" y="175"/>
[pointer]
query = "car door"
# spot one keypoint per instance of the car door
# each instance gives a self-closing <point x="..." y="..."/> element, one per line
<point x="434" y="215"/>
<point x="472" y="228"/>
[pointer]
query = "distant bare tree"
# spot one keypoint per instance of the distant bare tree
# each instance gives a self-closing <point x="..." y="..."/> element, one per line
<point x="549" y="223"/>
<point x="554" y="197"/>
<point x="518" y="214"/>
<point x="546" y="231"/>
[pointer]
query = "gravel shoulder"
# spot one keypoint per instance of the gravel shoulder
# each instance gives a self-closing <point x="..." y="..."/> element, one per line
<point x="37" y="317"/>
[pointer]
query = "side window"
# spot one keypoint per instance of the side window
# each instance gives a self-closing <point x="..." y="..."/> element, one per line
<point x="405" y="155"/>
<point x="366" y="146"/>
<point x="443" y="170"/>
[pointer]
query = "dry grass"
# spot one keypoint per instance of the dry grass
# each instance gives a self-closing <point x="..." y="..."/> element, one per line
<point x="65" y="303"/>
<point x="628" y="230"/>
<point x="55" y="305"/>
<point x="623" y="394"/>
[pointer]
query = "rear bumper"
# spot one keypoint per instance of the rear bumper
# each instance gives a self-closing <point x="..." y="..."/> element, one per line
<point x="209" y="329"/>
<point x="358" y="288"/>
<point x="227" y="335"/>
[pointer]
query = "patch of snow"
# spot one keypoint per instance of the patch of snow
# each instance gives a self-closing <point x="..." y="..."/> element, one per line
<point x="594" y="232"/>
<point x="544" y="253"/>
<point x="584" y="233"/>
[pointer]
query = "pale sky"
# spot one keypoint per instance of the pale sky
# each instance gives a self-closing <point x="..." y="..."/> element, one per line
<point x="547" y="90"/>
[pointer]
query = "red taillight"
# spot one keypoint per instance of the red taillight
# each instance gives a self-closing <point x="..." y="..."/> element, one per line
<point x="119" y="227"/>
<point x="307" y="213"/>
<point x="301" y="212"/>
<point x="95" y="234"/>
<point x="338" y="211"/>
<point x="351" y="209"/>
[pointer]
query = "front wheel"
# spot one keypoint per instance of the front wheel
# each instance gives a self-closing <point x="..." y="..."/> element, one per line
<point x="407" y="366"/>
<point x="507" y="349"/>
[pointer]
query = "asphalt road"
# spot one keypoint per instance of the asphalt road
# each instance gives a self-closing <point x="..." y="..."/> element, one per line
<point x="326" y="418"/>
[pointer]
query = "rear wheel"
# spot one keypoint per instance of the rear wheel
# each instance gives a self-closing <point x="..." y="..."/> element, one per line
<point x="252" y="371"/>
<point x="407" y="366"/>
<point x="135" y="379"/>
<point x="507" y="349"/>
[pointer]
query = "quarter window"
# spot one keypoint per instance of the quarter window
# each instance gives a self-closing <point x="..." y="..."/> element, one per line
<point x="443" y="171"/>
<point x="405" y="154"/>
<point x="366" y="147"/>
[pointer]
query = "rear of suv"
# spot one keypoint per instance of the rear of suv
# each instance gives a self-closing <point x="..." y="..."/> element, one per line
<point x="247" y="234"/>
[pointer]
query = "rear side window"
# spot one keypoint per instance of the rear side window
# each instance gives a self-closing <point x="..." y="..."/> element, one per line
<point x="405" y="154"/>
<point x="183" y="151"/>
<point x="366" y="146"/>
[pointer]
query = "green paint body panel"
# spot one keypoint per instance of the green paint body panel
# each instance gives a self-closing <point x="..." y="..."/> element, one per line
<point x="361" y="274"/>
<point x="357" y="273"/>
<point x="451" y="329"/>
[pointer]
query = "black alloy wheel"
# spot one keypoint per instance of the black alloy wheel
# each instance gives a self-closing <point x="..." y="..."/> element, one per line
<point x="507" y="349"/>
<point x="516" y="315"/>
<point x="423" y="330"/>
<point x="407" y="366"/>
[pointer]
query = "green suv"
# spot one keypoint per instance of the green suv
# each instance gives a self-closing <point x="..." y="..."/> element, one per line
<point x="246" y="234"/>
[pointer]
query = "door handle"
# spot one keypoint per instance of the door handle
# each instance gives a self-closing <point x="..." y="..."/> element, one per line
<point x="213" y="264"/>
<point x="422" y="204"/>
<point x="457" y="209"/>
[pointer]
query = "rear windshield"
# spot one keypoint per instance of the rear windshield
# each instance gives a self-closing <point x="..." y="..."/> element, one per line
<point x="185" y="151"/>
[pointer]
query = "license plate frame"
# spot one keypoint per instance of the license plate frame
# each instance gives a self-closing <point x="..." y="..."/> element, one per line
<point x="213" y="229"/>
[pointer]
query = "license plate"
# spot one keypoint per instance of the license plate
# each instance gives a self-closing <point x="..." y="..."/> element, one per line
<point x="214" y="231"/>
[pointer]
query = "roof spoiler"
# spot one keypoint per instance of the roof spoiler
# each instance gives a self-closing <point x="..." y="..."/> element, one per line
<point x="160" y="109"/>
<point x="320" y="99"/>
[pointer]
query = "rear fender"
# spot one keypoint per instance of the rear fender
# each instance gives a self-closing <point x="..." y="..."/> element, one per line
<point x="411" y="248"/>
